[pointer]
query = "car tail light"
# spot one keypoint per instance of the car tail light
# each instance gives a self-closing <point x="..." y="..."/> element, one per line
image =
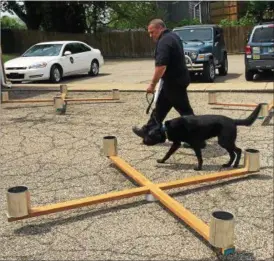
<point x="247" y="49"/>
<point x="271" y="26"/>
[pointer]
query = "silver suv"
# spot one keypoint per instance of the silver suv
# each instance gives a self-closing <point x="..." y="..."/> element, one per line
<point x="259" y="51"/>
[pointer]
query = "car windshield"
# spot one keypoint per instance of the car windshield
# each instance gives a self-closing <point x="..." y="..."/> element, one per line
<point x="43" y="50"/>
<point x="199" y="34"/>
<point x="263" y="34"/>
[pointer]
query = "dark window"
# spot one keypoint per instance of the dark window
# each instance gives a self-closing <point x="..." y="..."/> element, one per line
<point x="84" y="48"/>
<point x="263" y="34"/>
<point x="70" y="47"/>
<point x="203" y="34"/>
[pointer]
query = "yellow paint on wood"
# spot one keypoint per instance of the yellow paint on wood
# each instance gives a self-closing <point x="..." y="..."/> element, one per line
<point x="235" y="104"/>
<point x="77" y="203"/>
<point x="89" y="99"/>
<point x="198" y="225"/>
<point x="204" y="178"/>
<point x="270" y="105"/>
<point x="28" y="101"/>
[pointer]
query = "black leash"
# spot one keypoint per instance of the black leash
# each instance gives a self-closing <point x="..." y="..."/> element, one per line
<point x="149" y="102"/>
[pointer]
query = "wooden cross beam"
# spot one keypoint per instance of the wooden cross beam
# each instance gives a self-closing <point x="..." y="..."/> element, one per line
<point x="212" y="100"/>
<point x="83" y="202"/>
<point x="19" y="199"/>
<point x="63" y="96"/>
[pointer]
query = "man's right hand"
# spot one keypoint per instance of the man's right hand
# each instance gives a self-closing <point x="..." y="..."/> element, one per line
<point x="151" y="88"/>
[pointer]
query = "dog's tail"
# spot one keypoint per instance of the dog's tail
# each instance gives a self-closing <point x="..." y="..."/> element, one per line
<point x="251" y="118"/>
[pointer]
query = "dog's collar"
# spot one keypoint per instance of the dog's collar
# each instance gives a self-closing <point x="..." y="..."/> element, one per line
<point x="165" y="130"/>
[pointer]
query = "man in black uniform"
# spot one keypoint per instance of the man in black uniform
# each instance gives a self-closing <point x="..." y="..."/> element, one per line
<point x="171" y="68"/>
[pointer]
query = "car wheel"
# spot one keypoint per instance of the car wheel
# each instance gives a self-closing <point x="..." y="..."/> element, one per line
<point x="94" y="68"/>
<point x="55" y="74"/>
<point x="224" y="67"/>
<point x="209" y="71"/>
<point x="249" y="75"/>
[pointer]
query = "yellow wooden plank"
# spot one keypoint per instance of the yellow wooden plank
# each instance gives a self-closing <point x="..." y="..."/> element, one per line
<point x="89" y="99"/>
<point x="194" y="222"/>
<point x="58" y="207"/>
<point x="130" y="171"/>
<point x="28" y="101"/>
<point x="53" y="208"/>
<point x="235" y="104"/>
<point x="198" y="225"/>
<point x="203" y="178"/>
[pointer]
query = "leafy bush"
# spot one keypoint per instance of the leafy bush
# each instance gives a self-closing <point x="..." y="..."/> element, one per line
<point x="243" y="21"/>
<point x="183" y="22"/>
<point x="11" y="23"/>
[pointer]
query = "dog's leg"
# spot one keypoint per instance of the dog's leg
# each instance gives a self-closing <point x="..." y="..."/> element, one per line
<point x="238" y="152"/>
<point x="232" y="158"/>
<point x="227" y="141"/>
<point x="175" y="146"/>
<point x="198" y="153"/>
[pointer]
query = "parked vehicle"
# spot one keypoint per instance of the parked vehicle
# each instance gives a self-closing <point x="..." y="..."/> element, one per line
<point x="205" y="50"/>
<point x="54" y="60"/>
<point x="259" y="51"/>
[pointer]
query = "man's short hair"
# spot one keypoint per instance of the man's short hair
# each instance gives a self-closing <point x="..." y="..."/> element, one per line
<point x="157" y="22"/>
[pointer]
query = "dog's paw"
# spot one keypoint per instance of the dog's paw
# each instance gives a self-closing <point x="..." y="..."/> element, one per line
<point x="160" y="161"/>
<point x="198" y="168"/>
<point x="226" y="165"/>
<point x="235" y="166"/>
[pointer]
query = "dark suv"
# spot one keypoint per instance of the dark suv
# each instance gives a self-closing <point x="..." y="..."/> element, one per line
<point x="205" y="50"/>
<point x="259" y="51"/>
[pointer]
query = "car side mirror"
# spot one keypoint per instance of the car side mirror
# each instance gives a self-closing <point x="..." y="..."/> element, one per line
<point x="217" y="37"/>
<point x="67" y="53"/>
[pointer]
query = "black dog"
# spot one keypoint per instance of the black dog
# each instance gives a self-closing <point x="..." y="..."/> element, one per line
<point x="194" y="130"/>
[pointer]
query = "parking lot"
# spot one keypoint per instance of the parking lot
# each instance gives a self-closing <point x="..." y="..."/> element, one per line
<point x="60" y="158"/>
<point x="141" y="71"/>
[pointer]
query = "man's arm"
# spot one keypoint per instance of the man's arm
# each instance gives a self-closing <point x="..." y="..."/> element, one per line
<point x="161" y="62"/>
<point x="158" y="73"/>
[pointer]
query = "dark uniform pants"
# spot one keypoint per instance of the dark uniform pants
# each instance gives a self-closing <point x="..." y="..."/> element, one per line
<point x="169" y="96"/>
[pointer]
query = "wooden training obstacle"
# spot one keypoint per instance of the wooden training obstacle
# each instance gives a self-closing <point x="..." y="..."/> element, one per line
<point x="60" y="101"/>
<point x="63" y="95"/>
<point x="264" y="112"/>
<point x="219" y="234"/>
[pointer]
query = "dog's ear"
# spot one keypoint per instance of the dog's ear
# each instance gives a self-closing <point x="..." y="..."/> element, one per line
<point x="154" y="131"/>
<point x="154" y="136"/>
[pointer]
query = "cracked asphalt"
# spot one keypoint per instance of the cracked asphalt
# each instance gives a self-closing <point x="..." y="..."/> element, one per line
<point x="59" y="158"/>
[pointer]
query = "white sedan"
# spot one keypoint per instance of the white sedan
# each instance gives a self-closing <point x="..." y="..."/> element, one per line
<point x="54" y="60"/>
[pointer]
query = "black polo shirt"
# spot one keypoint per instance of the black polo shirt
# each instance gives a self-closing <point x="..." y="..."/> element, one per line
<point x="170" y="52"/>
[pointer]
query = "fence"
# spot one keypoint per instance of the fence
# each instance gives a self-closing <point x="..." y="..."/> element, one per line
<point x="112" y="44"/>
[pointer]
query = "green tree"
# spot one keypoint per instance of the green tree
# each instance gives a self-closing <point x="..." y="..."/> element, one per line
<point x="68" y="17"/>
<point x="261" y="10"/>
<point x="11" y="23"/>
<point x="132" y="15"/>
<point x="97" y="15"/>
<point x="59" y="16"/>
<point x="29" y="12"/>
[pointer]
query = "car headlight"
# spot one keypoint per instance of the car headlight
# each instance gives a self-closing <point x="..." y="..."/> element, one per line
<point x="37" y="65"/>
<point x="201" y="56"/>
<point x="193" y="55"/>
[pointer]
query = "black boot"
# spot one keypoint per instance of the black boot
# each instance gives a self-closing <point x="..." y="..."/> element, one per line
<point x="140" y="132"/>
